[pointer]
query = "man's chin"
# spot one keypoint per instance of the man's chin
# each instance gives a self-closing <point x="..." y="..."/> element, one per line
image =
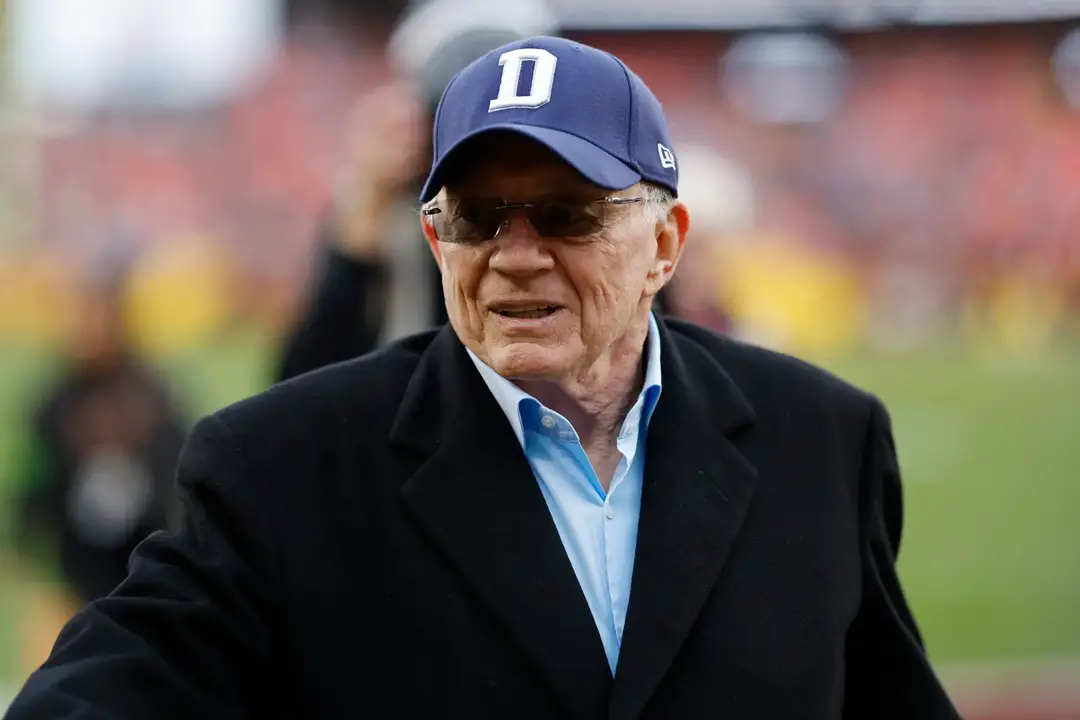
<point x="530" y="361"/>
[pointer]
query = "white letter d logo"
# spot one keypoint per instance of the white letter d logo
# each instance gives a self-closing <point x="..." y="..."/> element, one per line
<point x="542" y="80"/>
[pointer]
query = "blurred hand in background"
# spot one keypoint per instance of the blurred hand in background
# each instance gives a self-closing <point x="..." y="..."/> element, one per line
<point x="387" y="147"/>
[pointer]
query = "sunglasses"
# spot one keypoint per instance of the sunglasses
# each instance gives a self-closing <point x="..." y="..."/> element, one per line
<point x="476" y="221"/>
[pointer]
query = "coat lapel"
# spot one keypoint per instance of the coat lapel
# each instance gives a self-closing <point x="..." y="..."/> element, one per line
<point x="696" y="492"/>
<point x="477" y="499"/>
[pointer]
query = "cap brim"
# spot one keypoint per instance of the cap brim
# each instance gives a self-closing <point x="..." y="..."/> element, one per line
<point x="597" y="166"/>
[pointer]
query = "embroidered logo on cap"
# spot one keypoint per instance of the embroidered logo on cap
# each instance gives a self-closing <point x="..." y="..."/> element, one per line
<point x="667" y="158"/>
<point x="543" y="79"/>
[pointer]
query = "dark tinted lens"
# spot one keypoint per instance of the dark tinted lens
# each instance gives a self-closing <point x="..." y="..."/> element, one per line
<point x="472" y="222"/>
<point x="476" y="221"/>
<point x="567" y="220"/>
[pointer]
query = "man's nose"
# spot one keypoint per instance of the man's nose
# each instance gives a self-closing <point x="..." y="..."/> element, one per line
<point x="519" y="250"/>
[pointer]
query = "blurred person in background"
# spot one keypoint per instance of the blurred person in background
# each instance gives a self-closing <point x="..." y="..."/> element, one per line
<point x="97" y="477"/>
<point x="721" y="194"/>
<point x="375" y="280"/>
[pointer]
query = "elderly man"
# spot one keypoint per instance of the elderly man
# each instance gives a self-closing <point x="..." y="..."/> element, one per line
<point x="558" y="506"/>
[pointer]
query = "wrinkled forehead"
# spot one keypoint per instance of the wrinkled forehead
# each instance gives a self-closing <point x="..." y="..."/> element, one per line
<point x="513" y="167"/>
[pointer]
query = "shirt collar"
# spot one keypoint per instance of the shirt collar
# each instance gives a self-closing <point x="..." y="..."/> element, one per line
<point x="510" y="397"/>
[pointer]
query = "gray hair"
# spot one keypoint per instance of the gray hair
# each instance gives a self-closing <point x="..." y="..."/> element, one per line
<point x="658" y="200"/>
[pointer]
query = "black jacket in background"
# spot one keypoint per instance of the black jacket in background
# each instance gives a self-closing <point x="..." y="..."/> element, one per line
<point x="99" y="476"/>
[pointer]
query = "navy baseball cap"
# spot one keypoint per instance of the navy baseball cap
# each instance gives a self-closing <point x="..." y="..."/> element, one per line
<point x="583" y="104"/>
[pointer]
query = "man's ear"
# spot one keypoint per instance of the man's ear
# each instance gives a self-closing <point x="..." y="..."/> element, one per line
<point x="432" y="239"/>
<point x="671" y="234"/>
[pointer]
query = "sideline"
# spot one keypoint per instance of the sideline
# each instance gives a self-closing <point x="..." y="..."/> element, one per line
<point x="1049" y="687"/>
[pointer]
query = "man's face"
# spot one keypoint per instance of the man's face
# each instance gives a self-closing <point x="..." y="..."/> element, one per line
<point x="548" y="308"/>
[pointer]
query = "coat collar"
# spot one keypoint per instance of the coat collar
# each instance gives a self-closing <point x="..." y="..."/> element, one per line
<point x="697" y="488"/>
<point x="477" y="499"/>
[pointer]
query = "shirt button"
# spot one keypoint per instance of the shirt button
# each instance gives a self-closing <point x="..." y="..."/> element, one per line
<point x="609" y="513"/>
<point x="547" y="421"/>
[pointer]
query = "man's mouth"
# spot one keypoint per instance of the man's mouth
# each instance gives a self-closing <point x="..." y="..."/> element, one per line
<point x="533" y="313"/>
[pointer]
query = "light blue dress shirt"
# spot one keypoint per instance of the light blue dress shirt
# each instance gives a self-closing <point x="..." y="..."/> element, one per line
<point x="598" y="529"/>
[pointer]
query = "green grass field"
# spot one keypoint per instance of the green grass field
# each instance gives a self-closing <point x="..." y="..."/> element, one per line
<point x="990" y="451"/>
<point x="990" y="454"/>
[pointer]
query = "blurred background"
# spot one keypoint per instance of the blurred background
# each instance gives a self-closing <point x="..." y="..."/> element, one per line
<point x="889" y="188"/>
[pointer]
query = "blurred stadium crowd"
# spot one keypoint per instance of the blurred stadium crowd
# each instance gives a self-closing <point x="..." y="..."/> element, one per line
<point x="934" y="194"/>
<point x="879" y="189"/>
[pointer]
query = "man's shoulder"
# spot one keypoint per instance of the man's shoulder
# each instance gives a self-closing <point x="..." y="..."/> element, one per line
<point x="368" y="387"/>
<point x="767" y="375"/>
